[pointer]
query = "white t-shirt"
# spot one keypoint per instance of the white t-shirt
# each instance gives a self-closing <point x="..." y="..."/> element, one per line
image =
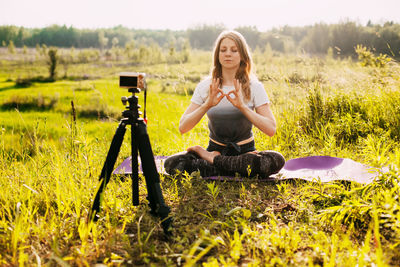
<point x="225" y="122"/>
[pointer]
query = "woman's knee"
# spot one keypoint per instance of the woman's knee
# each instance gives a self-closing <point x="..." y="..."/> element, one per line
<point x="277" y="158"/>
<point x="180" y="161"/>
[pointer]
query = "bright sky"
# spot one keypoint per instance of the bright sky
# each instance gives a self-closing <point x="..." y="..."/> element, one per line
<point x="183" y="14"/>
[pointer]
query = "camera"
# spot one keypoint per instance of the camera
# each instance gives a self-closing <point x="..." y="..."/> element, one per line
<point x="132" y="80"/>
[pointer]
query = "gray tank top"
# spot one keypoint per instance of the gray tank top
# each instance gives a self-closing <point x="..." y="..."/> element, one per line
<point x="226" y="123"/>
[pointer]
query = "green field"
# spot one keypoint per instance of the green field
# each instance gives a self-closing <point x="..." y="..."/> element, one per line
<point x="51" y="154"/>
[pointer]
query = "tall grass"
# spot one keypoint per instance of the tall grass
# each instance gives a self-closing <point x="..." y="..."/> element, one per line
<point x="50" y="163"/>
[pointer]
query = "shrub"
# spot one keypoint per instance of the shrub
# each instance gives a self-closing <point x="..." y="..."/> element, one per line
<point x="24" y="103"/>
<point x="100" y="112"/>
<point x="343" y="115"/>
<point x="11" y="47"/>
<point x="385" y="113"/>
<point x="88" y="55"/>
<point x="367" y="58"/>
<point x="27" y="82"/>
<point x="296" y="78"/>
<point x="23" y="82"/>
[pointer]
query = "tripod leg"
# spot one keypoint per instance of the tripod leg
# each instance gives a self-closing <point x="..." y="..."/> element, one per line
<point x="135" y="168"/>
<point x="155" y="197"/>
<point x="108" y="168"/>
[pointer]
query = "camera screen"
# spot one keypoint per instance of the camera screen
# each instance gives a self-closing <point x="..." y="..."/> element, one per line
<point x="128" y="81"/>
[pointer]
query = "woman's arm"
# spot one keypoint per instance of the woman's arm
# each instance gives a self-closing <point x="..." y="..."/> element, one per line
<point x="195" y="112"/>
<point x="191" y="117"/>
<point x="262" y="117"/>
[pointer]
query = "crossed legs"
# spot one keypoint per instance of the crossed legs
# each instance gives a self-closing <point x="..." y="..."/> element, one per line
<point x="204" y="154"/>
<point x="262" y="163"/>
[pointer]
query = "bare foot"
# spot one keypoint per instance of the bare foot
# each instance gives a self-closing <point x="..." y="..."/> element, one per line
<point x="204" y="154"/>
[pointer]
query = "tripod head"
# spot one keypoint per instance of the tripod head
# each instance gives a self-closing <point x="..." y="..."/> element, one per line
<point x="134" y="81"/>
<point x="134" y="90"/>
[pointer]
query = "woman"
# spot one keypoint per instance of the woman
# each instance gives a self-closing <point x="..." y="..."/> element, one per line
<point x="234" y="100"/>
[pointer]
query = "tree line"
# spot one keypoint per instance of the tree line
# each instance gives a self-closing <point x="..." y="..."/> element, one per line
<point x="320" y="38"/>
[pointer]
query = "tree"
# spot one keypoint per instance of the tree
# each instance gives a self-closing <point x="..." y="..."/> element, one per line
<point x="19" y="39"/>
<point x="203" y="37"/>
<point x="103" y="41"/>
<point x="251" y="34"/>
<point x="114" y="42"/>
<point x="274" y="40"/>
<point x="185" y="51"/>
<point x="8" y="33"/>
<point x="346" y="36"/>
<point x="318" y="39"/>
<point x="11" y="47"/>
<point x="52" y="62"/>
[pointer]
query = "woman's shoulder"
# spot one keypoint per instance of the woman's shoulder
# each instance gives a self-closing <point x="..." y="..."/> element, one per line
<point x="258" y="93"/>
<point x="201" y="91"/>
<point x="255" y="83"/>
<point x="205" y="82"/>
<point x="203" y="85"/>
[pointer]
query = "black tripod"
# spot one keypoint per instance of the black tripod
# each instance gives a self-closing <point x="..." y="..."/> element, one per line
<point x="139" y="142"/>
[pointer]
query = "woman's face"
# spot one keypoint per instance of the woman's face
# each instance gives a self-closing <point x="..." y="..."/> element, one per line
<point x="229" y="55"/>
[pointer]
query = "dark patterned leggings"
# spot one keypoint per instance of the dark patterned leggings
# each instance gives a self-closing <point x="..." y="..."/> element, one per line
<point x="262" y="163"/>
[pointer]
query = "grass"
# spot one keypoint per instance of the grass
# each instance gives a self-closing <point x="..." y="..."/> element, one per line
<point x="50" y="163"/>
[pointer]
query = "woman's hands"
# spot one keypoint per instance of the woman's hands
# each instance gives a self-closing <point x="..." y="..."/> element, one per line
<point x="237" y="101"/>
<point x="262" y="117"/>
<point x="195" y="112"/>
<point x="215" y="94"/>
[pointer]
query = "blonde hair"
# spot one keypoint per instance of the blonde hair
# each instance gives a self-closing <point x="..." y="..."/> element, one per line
<point x="244" y="71"/>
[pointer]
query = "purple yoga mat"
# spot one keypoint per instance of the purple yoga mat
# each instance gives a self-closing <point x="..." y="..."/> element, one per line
<point x="313" y="168"/>
<point x="326" y="169"/>
<point x="126" y="167"/>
